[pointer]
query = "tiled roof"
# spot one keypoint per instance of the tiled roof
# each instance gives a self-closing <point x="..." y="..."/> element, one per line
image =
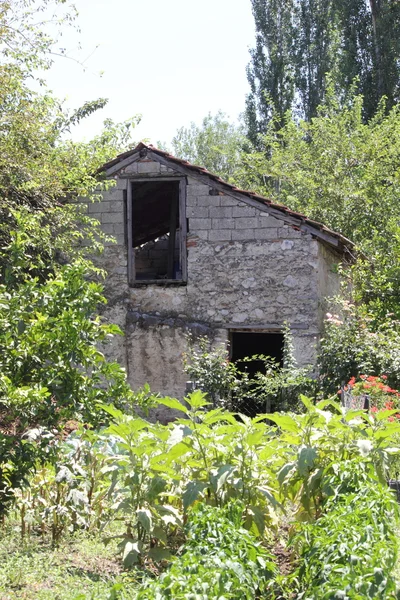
<point x="299" y="220"/>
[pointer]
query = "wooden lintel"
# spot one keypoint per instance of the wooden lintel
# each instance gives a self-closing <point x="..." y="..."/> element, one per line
<point x="270" y="327"/>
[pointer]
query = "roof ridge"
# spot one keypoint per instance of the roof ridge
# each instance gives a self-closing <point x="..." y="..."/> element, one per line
<point x="344" y="242"/>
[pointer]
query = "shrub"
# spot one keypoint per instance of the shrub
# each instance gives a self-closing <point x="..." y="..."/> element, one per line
<point x="352" y="345"/>
<point x="350" y="551"/>
<point x="220" y="560"/>
<point x="226" y="384"/>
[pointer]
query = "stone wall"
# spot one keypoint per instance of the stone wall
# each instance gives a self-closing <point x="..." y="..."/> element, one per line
<point x="246" y="269"/>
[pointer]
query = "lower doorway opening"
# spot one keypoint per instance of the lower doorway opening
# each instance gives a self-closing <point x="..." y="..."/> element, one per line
<point x="244" y="345"/>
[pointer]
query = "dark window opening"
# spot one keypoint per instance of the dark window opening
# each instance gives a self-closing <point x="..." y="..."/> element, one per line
<point x="156" y="232"/>
<point x="248" y="344"/>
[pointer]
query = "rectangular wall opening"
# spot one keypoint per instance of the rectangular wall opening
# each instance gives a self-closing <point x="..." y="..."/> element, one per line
<point x="155" y="231"/>
<point x="244" y="344"/>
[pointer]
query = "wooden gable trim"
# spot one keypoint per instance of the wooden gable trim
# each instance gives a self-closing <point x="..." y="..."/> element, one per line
<point x="122" y="164"/>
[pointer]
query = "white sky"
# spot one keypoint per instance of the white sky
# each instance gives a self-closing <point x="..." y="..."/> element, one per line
<point x="173" y="61"/>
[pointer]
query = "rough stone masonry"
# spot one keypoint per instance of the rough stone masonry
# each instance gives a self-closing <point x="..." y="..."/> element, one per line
<point x="250" y="267"/>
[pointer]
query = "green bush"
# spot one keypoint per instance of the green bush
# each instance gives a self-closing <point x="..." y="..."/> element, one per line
<point x="350" y="551"/>
<point x="354" y="345"/>
<point x="230" y="385"/>
<point x="220" y="560"/>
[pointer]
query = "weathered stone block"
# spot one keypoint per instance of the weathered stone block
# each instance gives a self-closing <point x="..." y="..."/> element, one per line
<point x="270" y="233"/>
<point x="98" y="207"/>
<point x="191" y="201"/>
<point x="120" y="239"/>
<point x="108" y="217"/>
<point x="122" y="183"/>
<point x="219" y="212"/>
<point x="216" y="235"/>
<point x="118" y="228"/>
<point x="223" y="223"/>
<point x="108" y="228"/>
<point x="243" y="234"/>
<point x="198" y="190"/>
<point x="265" y="220"/>
<point x="228" y="201"/>
<point x="117" y="207"/>
<point x="202" y="234"/>
<point x="246" y="222"/>
<point x="243" y="211"/>
<point x="208" y="200"/>
<point x="195" y="224"/>
<point x="197" y="212"/>
<point x="148" y="166"/>
<point x="132" y="168"/>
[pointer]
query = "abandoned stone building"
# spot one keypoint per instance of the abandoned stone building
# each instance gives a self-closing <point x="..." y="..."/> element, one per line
<point x="197" y="255"/>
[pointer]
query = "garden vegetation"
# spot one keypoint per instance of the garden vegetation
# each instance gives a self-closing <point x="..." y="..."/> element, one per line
<point x="291" y="504"/>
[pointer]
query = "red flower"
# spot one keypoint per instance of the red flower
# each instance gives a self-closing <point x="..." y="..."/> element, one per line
<point x="384" y="377"/>
<point x="352" y="381"/>
<point x="374" y="409"/>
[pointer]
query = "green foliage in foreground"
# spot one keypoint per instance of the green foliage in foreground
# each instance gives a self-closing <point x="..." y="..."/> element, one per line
<point x="51" y="367"/>
<point x="140" y="482"/>
<point x="350" y="552"/>
<point x="220" y="560"/>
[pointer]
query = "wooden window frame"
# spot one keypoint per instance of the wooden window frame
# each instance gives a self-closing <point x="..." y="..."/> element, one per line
<point x="182" y="226"/>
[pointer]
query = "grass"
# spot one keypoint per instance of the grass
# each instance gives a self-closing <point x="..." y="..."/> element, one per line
<point x="81" y="568"/>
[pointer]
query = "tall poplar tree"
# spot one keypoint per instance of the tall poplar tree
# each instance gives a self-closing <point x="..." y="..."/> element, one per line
<point x="299" y="41"/>
<point x="271" y="71"/>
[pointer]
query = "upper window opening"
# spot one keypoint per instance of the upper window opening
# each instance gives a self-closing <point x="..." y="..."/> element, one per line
<point x="157" y="235"/>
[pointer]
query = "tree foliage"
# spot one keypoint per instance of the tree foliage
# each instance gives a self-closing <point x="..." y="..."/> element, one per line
<point x="299" y="42"/>
<point x="51" y="367"/>
<point x="344" y="172"/>
<point x="216" y="145"/>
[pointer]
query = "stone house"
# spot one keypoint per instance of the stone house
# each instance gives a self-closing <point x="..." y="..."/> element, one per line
<point x="195" y="254"/>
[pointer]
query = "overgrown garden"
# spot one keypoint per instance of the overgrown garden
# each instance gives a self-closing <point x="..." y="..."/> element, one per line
<point x="99" y="502"/>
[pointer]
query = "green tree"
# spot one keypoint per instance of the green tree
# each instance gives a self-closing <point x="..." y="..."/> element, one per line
<point x="50" y="364"/>
<point x="298" y="42"/>
<point x="343" y="172"/>
<point x="271" y="71"/>
<point x="216" y="144"/>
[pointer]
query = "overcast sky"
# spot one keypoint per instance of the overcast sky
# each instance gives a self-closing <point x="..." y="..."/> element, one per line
<point x="172" y="61"/>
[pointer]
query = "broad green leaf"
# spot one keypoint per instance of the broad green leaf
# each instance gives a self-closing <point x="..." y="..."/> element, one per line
<point x="197" y="399"/>
<point x="285" y="422"/>
<point x="173" y="403"/>
<point x="306" y="459"/>
<point x="191" y="493"/>
<point x="285" y="471"/>
<point x="258" y="518"/>
<point x="159" y="533"/>
<point x="220" y="478"/>
<point x="131" y="552"/>
<point x="158" y="554"/>
<point x="145" y="519"/>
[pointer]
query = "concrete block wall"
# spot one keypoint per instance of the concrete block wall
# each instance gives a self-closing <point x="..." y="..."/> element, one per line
<point x="152" y="258"/>
<point x="246" y="268"/>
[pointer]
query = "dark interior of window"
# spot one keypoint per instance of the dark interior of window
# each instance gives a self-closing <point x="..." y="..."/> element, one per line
<point x="155" y="230"/>
<point x="247" y="344"/>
